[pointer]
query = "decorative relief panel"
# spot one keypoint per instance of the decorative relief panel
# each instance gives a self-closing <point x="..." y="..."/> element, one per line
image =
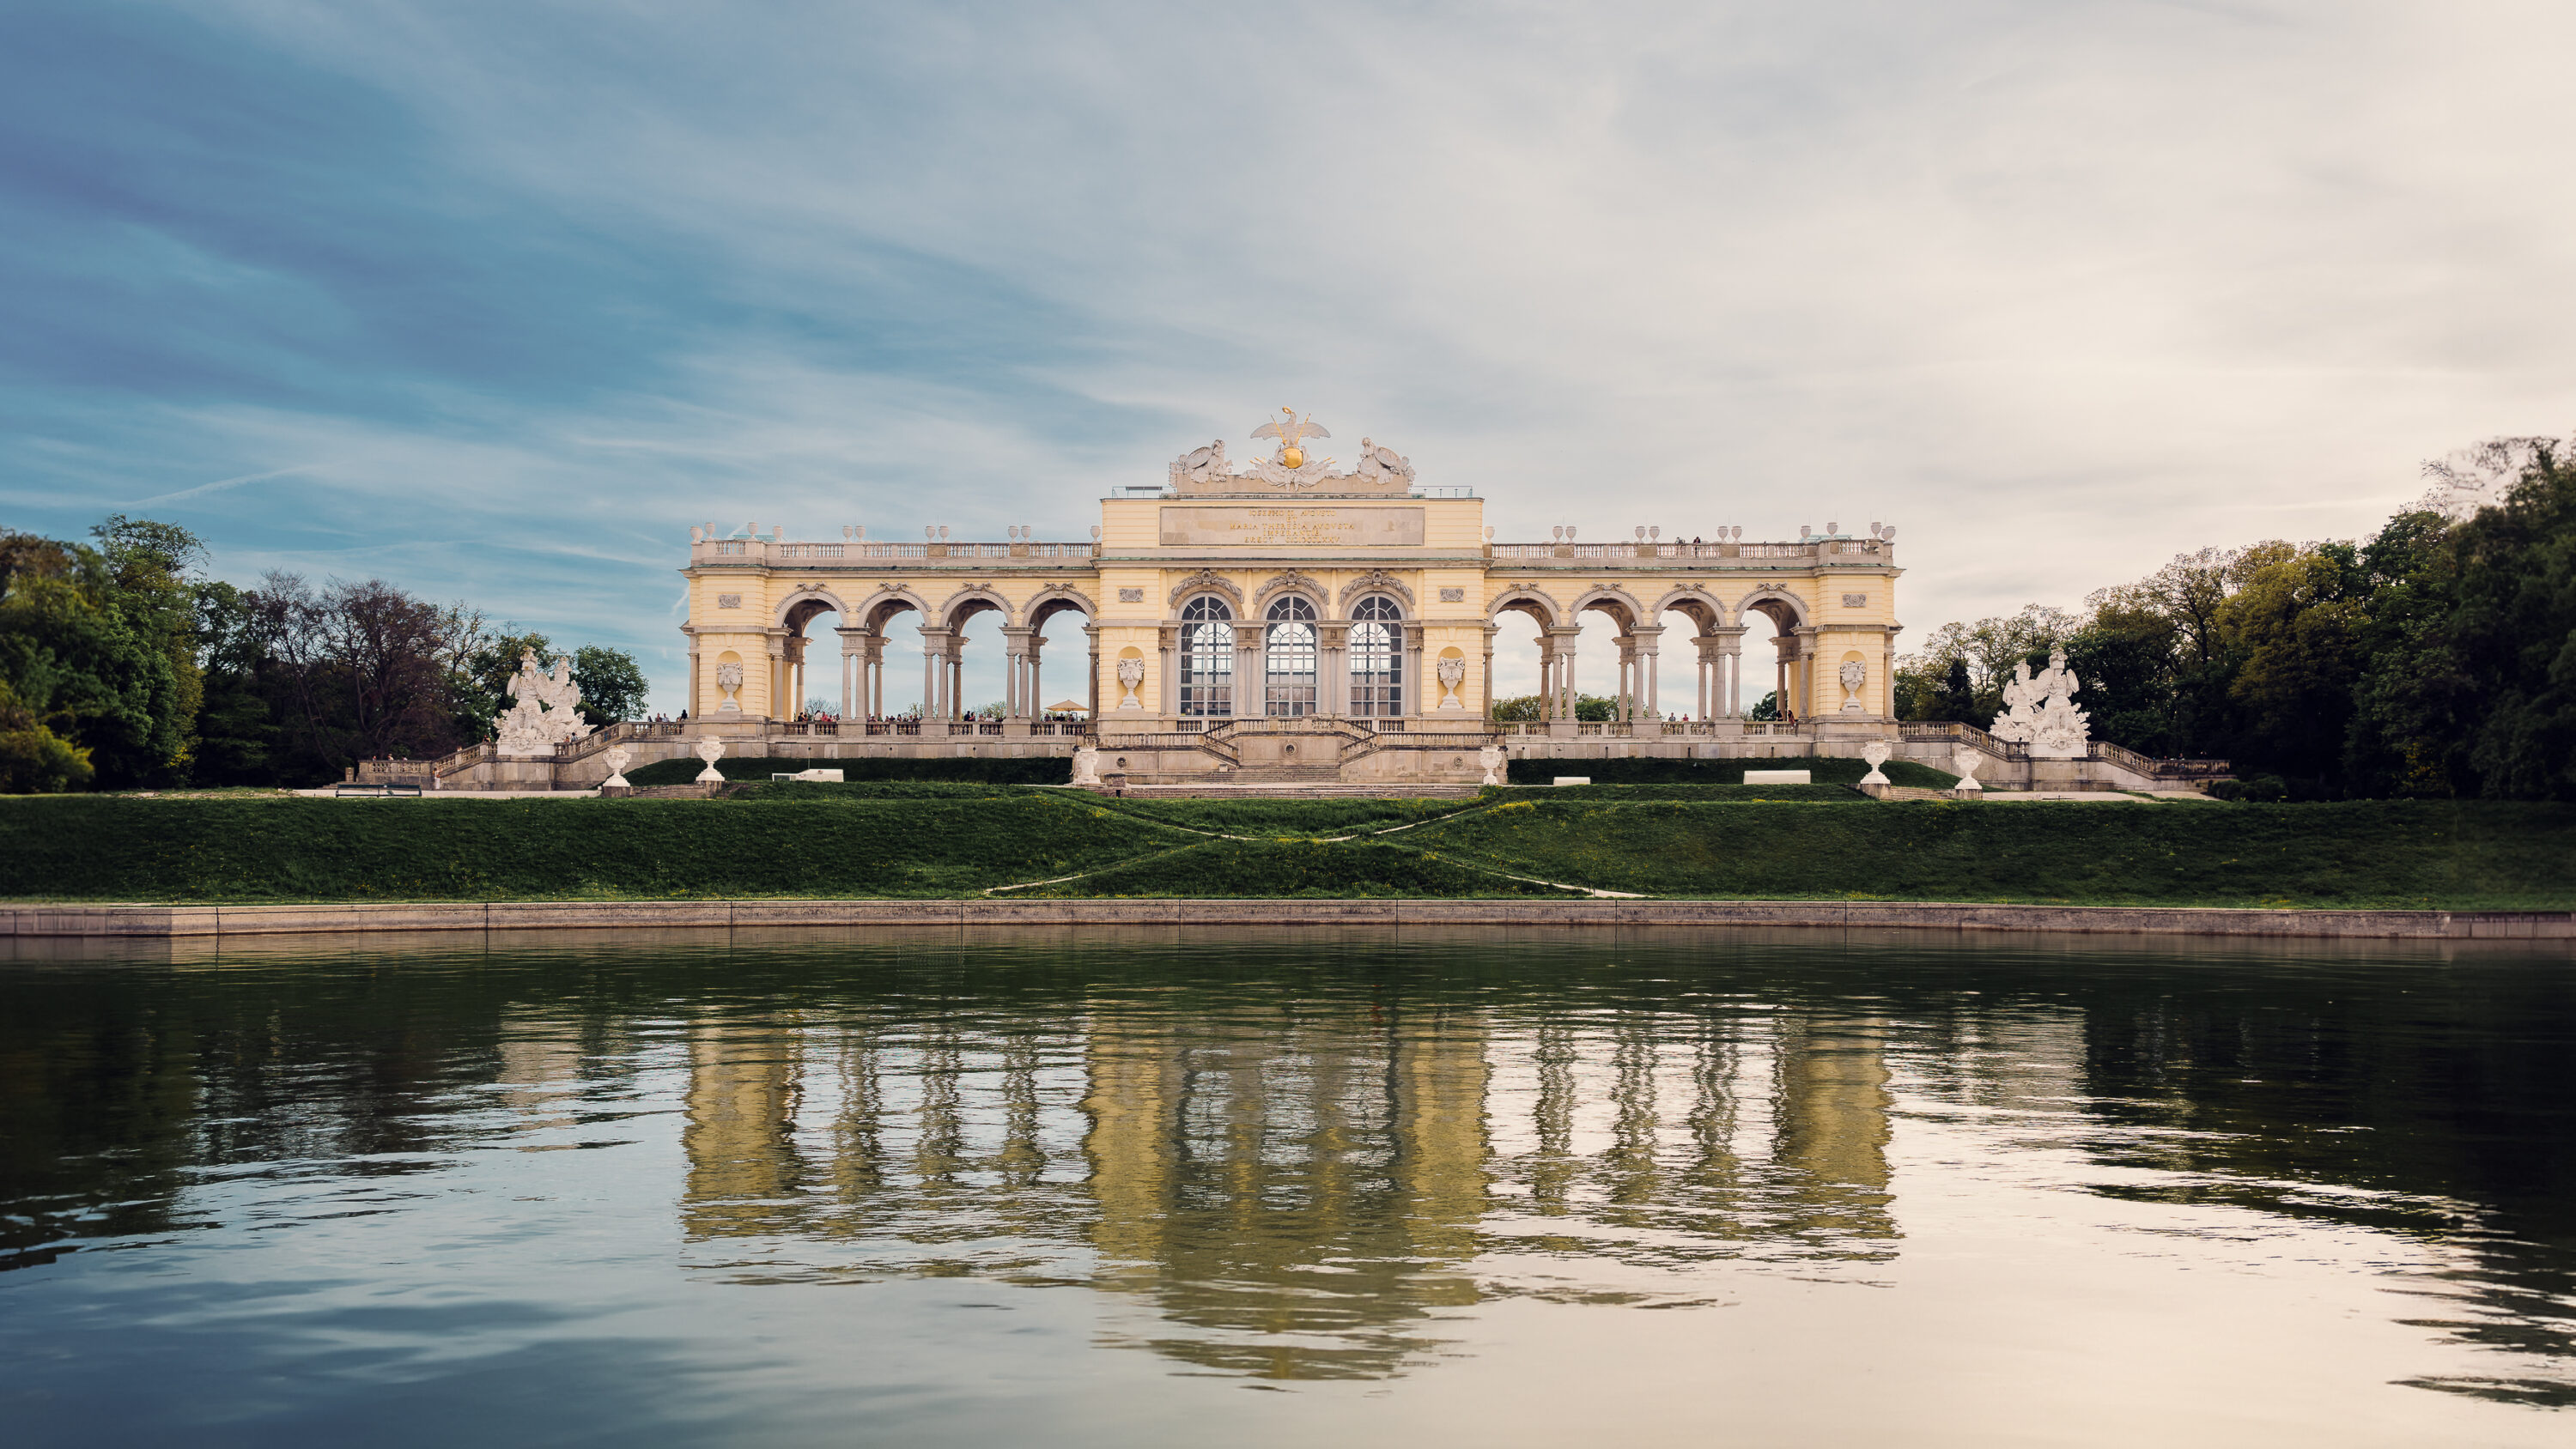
<point x="728" y="601"/>
<point x="1286" y="527"/>
<point x="1453" y="596"/>
<point x="1131" y="596"/>
<point x="1855" y="601"/>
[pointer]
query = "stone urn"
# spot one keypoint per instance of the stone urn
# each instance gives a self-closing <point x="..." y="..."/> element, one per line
<point x="618" y="756"/>
<point x="1453" y="672"/>
<point x="1966" y="760"/>
<point x="1876" y="752"/>
<point x="1131" y="673"/>
<point x="710" y="751"/>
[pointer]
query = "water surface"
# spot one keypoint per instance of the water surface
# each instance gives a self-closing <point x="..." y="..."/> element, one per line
<point x="1161" y="1186"/>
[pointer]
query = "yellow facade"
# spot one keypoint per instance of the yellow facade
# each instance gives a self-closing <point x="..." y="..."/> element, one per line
<point x="1234" y="546"/>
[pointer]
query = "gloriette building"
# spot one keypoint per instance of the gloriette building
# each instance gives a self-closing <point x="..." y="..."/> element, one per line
<point x="1218" y="619"/>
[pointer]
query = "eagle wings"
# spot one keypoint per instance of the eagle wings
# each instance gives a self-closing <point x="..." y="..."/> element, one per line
<point x="1292" y="431"/>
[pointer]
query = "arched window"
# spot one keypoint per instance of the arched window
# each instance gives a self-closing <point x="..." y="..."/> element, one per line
<point x="1288" y="648"/>
<point x="1207" y="657"/>
<point x="1377" y="657"/>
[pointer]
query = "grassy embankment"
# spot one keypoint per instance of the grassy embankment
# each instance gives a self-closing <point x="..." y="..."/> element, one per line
<point x="947" y="839"/>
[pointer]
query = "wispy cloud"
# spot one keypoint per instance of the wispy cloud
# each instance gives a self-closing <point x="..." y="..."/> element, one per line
<point x="222" y="483"/>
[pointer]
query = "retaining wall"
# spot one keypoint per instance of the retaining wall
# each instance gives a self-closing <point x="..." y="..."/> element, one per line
<point x="168" y="921"/>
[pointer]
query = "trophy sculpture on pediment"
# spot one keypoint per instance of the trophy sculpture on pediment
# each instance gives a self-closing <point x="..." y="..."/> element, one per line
<point x="1201" y="465"/>
<point x="1290" y="465"/>
<point x="1379" y="465"/>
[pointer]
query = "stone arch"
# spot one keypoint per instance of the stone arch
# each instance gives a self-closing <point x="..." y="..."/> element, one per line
<point x="1792" y="674"/>
<point x="1375" y="581"/>
<point x="1693" y="603"/>
<point x="1291" y="582"/>
<point x="1208" y="581"/>
<point x="1612" y="600"/>
<point x="969" y="601"/>
<point x="1057" y="599"/>
<point x="1778" y="605"/>
<point x="799" y="607"/>
<point x="1520" y="599"/>
<point x="882" y="606"/>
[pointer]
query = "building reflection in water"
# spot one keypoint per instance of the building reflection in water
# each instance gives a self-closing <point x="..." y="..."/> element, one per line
<point x="1293" y="1191"/>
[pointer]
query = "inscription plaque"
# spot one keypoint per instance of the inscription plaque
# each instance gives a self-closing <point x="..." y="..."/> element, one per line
<point x="1292" y="527"/>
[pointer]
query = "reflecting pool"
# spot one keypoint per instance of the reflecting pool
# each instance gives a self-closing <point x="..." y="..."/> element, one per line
<point x="1344" y="1186"/>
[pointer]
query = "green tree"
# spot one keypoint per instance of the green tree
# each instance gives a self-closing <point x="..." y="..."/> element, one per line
<point x="33" y="759"/>
<point x="2512" y="633"/>
<point x="2297" y="617"/>
<point x="1520" y="709"/>
<point x="612" y="684"/>
<point x="236" y="729"/>
<point x="2414" y="708"/>
<point x="92" y="659"/>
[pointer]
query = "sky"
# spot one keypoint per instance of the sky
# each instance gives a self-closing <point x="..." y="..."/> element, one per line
<point x="493" y="301"/>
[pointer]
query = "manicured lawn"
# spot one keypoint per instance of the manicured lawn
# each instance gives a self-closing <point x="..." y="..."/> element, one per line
<point x="2364" y="853"/>
<point x="1236" y="869"/>
<point x="925" y="838"/>
<point x="89" y="848"/>
<point x="1286" y="818"/>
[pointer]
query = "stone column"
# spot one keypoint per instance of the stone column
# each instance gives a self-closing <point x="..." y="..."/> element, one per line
<point x="1015" y="689"/>
<point x="1649" y="643"/>
<point x="1167" y="684"/>
<point x="932" y="641"/>
<point x="1418" y="691"/>
<point x="777" y="671"/>
<point x="1730" y="673"/>
<point x="1035" y="700"/>
<point x="854" y="644"/>
<point x="1332" y="666"/>
<point x="1251" y="660"/>
<point x="1486" y="688"/>
<point x="1806" y="674"/>
<point x="1565" y="637"/>
<point x="1091" y="632"/>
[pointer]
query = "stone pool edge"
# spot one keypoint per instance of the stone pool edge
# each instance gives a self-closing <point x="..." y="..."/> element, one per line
<point x="149" y="921"/>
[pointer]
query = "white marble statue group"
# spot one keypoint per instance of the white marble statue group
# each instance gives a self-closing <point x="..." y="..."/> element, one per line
<point x="1290" y="465"/>
<point x="2040" y="712"/>
<point x="546" y="711"/>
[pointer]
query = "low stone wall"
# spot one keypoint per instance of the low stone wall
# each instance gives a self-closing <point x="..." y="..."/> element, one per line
<point x="1428" y="750"/>
<point x="147" y="921"/>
